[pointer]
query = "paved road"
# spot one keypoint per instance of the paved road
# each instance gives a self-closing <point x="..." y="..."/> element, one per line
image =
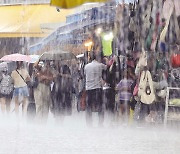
<point x="16" y="136"/>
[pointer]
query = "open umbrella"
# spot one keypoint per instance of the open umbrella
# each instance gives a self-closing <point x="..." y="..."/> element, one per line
<point x="34" y="58"/>
<point x="57" y="55"/>
<point x="16" y="57"/>
<point x="72" y="3"/>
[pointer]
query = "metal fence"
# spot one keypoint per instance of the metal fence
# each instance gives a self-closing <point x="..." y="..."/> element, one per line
<point x="15" y="2"/>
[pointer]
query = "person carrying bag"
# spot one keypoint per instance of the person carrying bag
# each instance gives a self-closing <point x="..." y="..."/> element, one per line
<point x="20" y="87"/>
<point x="6" y="91"/>
<point x="146" y="89"/>
<point x="30" y="84"/>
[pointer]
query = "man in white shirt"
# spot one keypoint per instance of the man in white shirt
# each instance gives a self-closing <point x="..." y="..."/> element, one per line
<point x="20" y="76"/>
<point x="93" y="73"/>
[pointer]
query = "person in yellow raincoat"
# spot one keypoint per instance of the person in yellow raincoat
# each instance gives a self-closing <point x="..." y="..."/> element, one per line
<point x="72" y="3"/>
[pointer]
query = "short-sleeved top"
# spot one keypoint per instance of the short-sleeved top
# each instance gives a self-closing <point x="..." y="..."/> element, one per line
<point x="93" y="73"/>
<point x="18" y="81"/>
<point x="125" y="83"/>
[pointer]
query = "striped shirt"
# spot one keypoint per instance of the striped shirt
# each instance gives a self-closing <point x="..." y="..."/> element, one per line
<point x="124" y="87"/>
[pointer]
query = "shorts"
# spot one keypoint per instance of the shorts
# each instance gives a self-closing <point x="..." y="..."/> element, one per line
<point x="109" y="99"/>
<point x="125" y="102"/>
<point x="94" y="99"/>
<point x="22" y="91"/>
<point x="7" y="96"/>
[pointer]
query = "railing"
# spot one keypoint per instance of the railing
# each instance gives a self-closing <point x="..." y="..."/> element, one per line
<point x="16" y="2"/>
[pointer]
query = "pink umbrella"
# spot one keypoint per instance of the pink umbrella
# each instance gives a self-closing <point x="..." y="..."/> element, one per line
<point x="16" y="57"/>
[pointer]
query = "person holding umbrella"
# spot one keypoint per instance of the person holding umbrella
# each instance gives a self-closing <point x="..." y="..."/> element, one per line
<point x="42" y="93"/>
<point x="20" y="76"/>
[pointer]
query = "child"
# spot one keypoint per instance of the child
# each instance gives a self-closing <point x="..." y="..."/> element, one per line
<point x="125" y="94"/>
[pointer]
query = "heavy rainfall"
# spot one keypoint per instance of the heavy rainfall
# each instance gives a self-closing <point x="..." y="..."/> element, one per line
<point x="89" y="76"/>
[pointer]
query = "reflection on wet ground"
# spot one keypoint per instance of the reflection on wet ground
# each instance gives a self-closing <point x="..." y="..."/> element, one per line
<point x="73" y="136"/>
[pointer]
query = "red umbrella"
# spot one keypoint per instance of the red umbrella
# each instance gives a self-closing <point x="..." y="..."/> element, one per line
<point x="16" y="57"/>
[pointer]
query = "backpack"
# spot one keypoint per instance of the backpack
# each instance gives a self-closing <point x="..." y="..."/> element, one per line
<point x="6" y="85"/>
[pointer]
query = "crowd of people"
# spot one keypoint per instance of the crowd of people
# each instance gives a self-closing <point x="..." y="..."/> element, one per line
<point x="124" y="88"/>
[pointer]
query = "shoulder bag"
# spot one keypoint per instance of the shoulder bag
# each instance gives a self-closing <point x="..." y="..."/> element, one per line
<point x="146" y="89"/>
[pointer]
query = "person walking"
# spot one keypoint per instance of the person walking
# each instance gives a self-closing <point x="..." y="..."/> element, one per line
<point x="93" y="76"/>
<point x="20" y="76"/>
<point x="125" y="94"/>
<point x="6" y="91"/>
<point x="62" y="94"/>
<point x="42" y="93"/>
<point x="109" y="78"/>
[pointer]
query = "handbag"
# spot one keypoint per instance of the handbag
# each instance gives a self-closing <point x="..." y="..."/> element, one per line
<point x="146" y="89"/>
<point x="161" y="93"/>
<point x="161" y="87"/>
<point x="175" y="60"/>
<point x="135" y="91"/>
<point x="29" y="84"/>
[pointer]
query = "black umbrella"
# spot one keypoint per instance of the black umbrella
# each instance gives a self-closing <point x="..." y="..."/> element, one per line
<point x="57" y="55"/>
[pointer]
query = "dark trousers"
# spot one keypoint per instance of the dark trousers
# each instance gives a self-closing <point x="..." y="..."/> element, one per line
<point x="145" y="110"/>
<point x="94" y="104"/>
<point x="109" y="99"/>
<point x="62" y="103"/>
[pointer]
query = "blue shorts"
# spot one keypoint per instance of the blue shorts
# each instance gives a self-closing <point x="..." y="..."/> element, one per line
<point x="22" y="91"/>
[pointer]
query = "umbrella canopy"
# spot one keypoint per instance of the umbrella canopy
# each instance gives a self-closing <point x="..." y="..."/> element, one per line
<point x="72" y="3"/>
<point x="34" y="58"/>
<point x="30" y="20"/>
<point x="57" y="55"/>
<point x="16" y="57"/>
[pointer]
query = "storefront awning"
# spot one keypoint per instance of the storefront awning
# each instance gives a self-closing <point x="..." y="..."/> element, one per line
<point x="27" y="20"/>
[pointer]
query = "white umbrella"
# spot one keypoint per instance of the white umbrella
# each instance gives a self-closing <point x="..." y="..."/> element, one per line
<point x="16" y="57"/>
<point x="34" y="58"/>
